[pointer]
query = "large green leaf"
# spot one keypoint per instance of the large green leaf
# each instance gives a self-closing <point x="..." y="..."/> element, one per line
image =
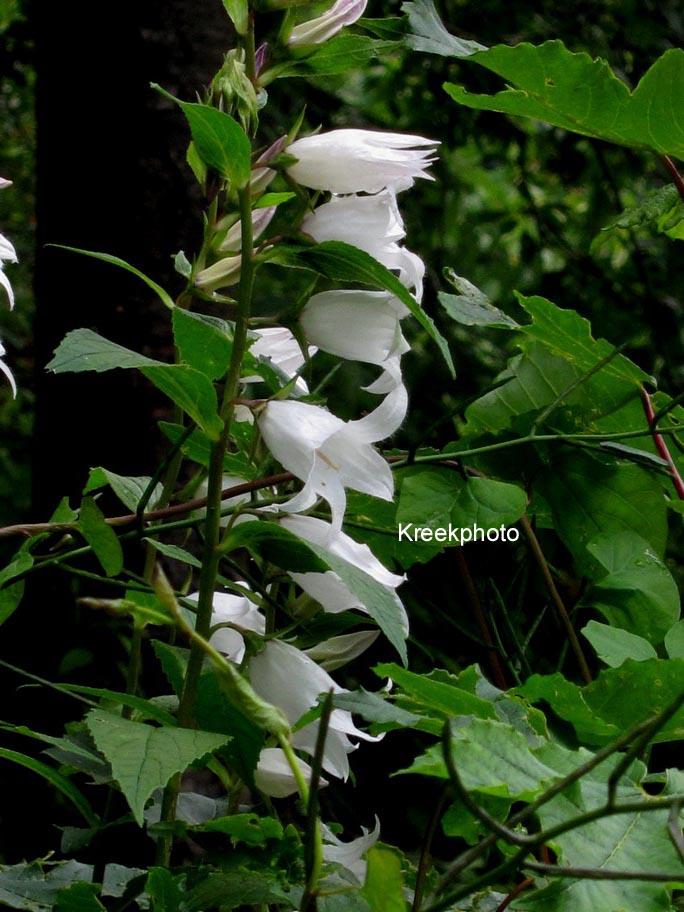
<point x="338" y="55"/>
<point x="204" y="342"/>
<point x="143" y="758"/>
<point x="589" y="497"/>
<point x="550" y="83"/>
<point x="85" y="350"/>
<point x="239" y="888"/>
<point x="634" y="590"/>
<point x="79" y="897"/>
<point x="616" y="700"/>
<point x="637" y="842"/>
<point x="441" y="499"/>
<point x="345" y="263"/>
<point x="213" y="712"/>
<point x="238" y="10"/>
<point x="128" y="489"/>
<point x="384" y="885"/>
<point x="35" y="886"/>
<point x="561" y="363"/>
<point x="614" y="646"/>
<point x="219" y="140"/>
<point x="192" y="391"/>
<point x="492" y="758"/>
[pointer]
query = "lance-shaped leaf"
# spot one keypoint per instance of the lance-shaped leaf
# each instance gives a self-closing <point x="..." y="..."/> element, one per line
<point x="143" y="758"/>
<point x="218" y="139"/>
<point x="550" y="83"/>
<point x="101" y="537"/>
<point x="204" y="342"/>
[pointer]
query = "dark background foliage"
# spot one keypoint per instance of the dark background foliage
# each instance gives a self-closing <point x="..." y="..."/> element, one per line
<point x="514" y="206"/>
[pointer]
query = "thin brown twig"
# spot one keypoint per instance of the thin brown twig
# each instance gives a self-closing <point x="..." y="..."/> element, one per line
<point x="523" y="885"/>
<point x="661" y="446"/>
<point x="557" y="600"/>
<point x="30" y="529"/>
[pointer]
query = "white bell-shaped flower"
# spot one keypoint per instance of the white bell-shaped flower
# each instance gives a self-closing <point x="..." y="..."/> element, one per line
<point x="329" y="454"/>
<point x="320" y="29"/>
<point x="360" y="161"/>
<point x="350" y="854"/>
<point x="278" y="345"/>
<point x="288" y="678"/>
<point x="273" y="774"/>
<point x="230" y="608"/>
<point x="327" y="588"/>
<point x="377" y="337"/>
<point x="374" y="225"/>
<point x="6" y="371"/>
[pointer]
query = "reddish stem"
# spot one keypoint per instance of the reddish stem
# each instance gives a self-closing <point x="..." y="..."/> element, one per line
<point x="675" y="175"/>
<point x="661" y="446"/>
<point x="514" y="892"/>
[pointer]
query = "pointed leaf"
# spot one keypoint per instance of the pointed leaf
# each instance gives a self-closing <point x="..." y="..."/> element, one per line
<point x="144" y="758"/>
<point x="85" y="350"/>
<point x="550" y="83"/>
<point x="101" y="537"/>
<point x="219" y="140"/>
<point x="614" y="646"/>
<point x="238" y="10"/>
<point x="191" y="391"/>
<point x="428" y="33"/>
<point x="204" y="342"/>
<point x="164" y="296"/>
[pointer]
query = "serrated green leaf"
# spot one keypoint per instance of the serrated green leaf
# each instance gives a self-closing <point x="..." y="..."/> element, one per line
<point x="428" y="33"/>
<point x="614" y="645"/>
<point x="634" y="590"/>
<point x="550" y="83"/>
<point x="214" y="713"/>
<point x="384" y="884"/>
<point x="492" y="758"/>
<point x="144" y="758"/>
<point x="204" y="342"/>
<point x="651" y="207"/>
<point x="85" y="350"/>
<point x="218" y="139"/>
<point x="34" y="886"/>
<point x="128" y="489"/>
<point x="191" y="391"/>
<point x="436" y="697"/>
<point x="164" y="296"/>
<point x="637" y="842"/>
<point x="616" y="700"/>
<point x="343" y="262"/>
<point x="101" y="537"/>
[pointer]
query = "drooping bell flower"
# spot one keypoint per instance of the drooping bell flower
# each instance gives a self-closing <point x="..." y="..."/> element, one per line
<point x="360" y="161"/>
<point x="320" y="29"/>
<point x="273" y="774"/>
<point x="230" y="608"/>
<point x="374" y="225"/>
<point x="327" y="588"/>
<point x="278" y="345"/>
<point x="329" y="454"/>
<point x="286" y="677"/>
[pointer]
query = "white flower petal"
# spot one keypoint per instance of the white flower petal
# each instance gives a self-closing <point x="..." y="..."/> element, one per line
<point x="5" y="282"/>
<point x="273" y="775"/>
<point x="232" y="609"/>
<point x="350" y="854"/>
<point x="338" y="651"/>
<point x="320" y="29"/>
<point x="355" y="161"/>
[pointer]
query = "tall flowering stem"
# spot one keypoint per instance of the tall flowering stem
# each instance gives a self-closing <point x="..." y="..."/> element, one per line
<point x="212" y="529"/>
